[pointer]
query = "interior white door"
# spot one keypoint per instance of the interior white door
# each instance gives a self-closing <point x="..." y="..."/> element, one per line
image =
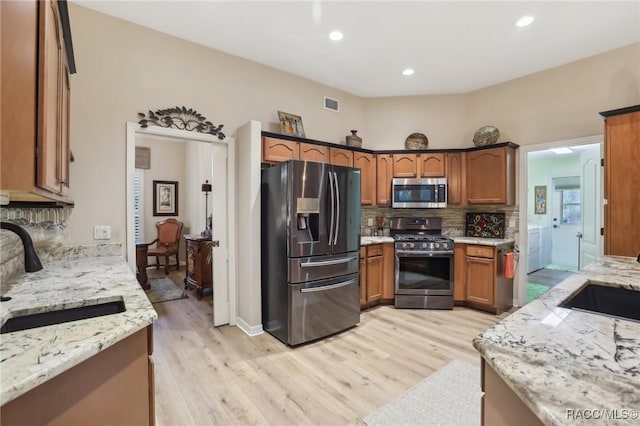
<point x="564" y="236"/>
<point x="220" y="235"/>
<point x="590" y="205"/>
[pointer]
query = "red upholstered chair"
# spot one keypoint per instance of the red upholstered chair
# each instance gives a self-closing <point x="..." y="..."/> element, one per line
<point x="167" y="242"/>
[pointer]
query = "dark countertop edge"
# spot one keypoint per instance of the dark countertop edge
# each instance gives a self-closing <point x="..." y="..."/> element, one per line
<point x="384" y="151"/>
<point x="619" y="111"/>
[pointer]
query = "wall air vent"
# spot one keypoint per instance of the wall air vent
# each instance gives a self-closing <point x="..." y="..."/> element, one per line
<point x="331" y="104"/>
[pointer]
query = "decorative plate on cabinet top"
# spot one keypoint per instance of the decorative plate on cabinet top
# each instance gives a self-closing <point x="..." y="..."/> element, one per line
<point x="416" y="141"/>
<point x="487" y="135"/>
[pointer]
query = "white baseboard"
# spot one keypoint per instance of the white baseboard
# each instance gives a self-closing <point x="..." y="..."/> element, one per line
<point x="250" y="330"/>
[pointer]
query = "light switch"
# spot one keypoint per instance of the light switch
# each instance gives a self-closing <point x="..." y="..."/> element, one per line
<point x="101" y="232"/>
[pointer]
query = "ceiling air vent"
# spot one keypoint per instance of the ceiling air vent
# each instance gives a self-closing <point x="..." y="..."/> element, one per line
<point x="331" y="104"/>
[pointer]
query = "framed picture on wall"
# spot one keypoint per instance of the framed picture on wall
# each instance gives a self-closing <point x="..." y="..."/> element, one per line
<point x="165" y="198"/>
<point x="540" y="199"/>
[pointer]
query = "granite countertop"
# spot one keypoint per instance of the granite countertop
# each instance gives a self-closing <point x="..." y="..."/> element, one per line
<point x="483" y="241"/>
<point x="31" y="357"/>
<point x="556" y="359"/>
<point x="365" y="241"/>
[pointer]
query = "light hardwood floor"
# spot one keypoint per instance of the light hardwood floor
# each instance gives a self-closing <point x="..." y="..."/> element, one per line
<point x="207" y="376"/>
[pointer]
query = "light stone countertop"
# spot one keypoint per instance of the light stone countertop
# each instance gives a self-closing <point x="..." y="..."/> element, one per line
<point x="31" y="357"/>
<point x="483" y="241"/>
<point x="557" y="359"/>
<point x="365" y="241"/>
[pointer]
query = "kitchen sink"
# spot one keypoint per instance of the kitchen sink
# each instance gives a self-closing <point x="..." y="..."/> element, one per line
<point x="42" y="319"/>
<point x="611" y="301"/>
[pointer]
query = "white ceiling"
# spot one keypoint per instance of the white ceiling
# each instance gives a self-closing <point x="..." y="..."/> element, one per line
<point x="454" y="46"/>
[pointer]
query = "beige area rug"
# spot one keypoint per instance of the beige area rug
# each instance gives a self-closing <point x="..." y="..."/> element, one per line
<point x="449" y="397"/>
<point x="164" y="289"/>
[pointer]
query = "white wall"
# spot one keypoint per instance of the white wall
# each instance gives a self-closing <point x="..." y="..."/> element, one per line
<point x="540" y="172"/>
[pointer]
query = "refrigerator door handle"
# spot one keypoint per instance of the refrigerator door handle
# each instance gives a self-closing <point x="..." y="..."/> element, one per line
<point x="335" y="181"/>
<point x="327" y="287"/>
<point x="328" y="262"/>
<point x="333" y="208"/>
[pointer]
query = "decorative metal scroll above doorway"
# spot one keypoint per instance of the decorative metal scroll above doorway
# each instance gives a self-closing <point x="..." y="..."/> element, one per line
<point x="181" y="118"/>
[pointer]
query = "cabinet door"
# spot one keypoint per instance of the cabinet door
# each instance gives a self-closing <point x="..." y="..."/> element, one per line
<point x="405" y="165"/>
<point x="50" y="98"/>
<point x="388" y="271"/>
<point x="367" y="165"/>
<point x="431" y="165"/>
<point x="384" y="174"/>
<point x="64" y="151"/>
<point x="491" y="176"/>
<point x="455" y="174"/>
<point x="459" y="273"/>
<point x="621" y="213"/>
<point x="317" y="153"/>
<point x="341" y="157"/>
<point x="480" y="280"/>
<point x="374" y="279"/>
<point x="279" y="150"/>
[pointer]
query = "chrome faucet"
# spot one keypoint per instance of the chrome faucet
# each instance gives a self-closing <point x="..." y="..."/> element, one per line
<point x="31" y="260"/>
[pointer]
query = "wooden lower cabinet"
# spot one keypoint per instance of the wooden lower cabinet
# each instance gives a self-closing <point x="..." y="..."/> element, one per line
<point x="114" y="387"/>
<point x="388" y="272"/>
<point x="479" y="280"/>
<point x="199" y="270"/>
<point x="376" y="274"/>
<point x="500" y="406"/>
<point x="459" y="274"/>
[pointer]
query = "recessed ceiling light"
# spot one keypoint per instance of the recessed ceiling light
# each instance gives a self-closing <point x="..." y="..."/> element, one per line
<point x="335" y="35"/>
<point x="524" y="21"/>
<point x="408" y="71"/>
<point x="562" y="150"/>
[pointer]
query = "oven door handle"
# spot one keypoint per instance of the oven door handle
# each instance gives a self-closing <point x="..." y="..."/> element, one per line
<point x="415" y="253"/>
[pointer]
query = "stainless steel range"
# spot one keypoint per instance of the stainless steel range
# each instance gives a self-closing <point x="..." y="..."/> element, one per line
<point x="424" y="263"/>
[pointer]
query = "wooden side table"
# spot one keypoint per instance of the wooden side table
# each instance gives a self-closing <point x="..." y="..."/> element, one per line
<point x="198" y="271"/>
<point x="141" y="265"/>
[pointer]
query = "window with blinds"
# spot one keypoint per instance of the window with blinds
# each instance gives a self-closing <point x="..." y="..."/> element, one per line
<point x="138" y="204"/>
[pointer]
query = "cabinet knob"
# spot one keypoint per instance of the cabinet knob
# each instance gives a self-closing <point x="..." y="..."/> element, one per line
<point x="64" y="182"/>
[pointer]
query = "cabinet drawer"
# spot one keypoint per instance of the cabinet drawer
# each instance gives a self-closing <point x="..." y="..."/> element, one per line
<point x="480" y="251"/>
<point x="374" y="250"/>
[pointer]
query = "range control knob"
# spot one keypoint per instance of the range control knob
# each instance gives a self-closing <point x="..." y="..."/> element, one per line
<point x="437" y="245"/>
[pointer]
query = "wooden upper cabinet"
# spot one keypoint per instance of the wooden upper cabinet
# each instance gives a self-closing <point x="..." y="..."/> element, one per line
<point x="622" y="157"/>
<point x="405" y="165"/>
<point x="431" y="165"/>
<point x="491" y="176"/>
<point x="384" y="175"/>
<point x="455" y="174"/>
<point x="341" y="157"/>
<point x="279" y="150"/>
<point x="367" y="164"/>
<point x="311" y="152"/>
<point x="35" y="102"/>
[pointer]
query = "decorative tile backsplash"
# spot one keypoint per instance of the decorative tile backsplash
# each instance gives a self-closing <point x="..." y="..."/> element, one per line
<point x="453" y="217"/>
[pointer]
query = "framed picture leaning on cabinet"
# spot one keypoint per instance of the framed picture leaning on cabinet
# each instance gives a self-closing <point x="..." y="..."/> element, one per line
<point x="291" y="124"/>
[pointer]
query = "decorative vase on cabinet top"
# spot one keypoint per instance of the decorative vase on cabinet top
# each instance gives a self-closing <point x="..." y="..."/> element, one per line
<point x="353" y="139"/>
<point x="487" y="135"/>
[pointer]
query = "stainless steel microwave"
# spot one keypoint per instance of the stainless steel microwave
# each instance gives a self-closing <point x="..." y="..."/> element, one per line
<point x="424" y="193"/>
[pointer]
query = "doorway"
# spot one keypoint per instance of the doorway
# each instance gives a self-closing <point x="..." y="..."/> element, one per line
<point x="560" y="212"/>
<point x="216" y="161"/>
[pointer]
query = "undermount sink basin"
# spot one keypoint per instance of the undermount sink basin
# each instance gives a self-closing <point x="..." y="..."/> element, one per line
<point x="42" y="319"/>
<point x="611" y="301"/>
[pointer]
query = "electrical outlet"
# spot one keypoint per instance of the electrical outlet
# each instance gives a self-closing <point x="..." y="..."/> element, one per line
<point x="512" y="223"/>
<point x="101" y="232"/>
<point x="370" y="221"/>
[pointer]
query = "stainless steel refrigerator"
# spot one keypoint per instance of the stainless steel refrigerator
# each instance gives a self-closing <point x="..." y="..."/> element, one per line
<point x="310" y="250"/>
